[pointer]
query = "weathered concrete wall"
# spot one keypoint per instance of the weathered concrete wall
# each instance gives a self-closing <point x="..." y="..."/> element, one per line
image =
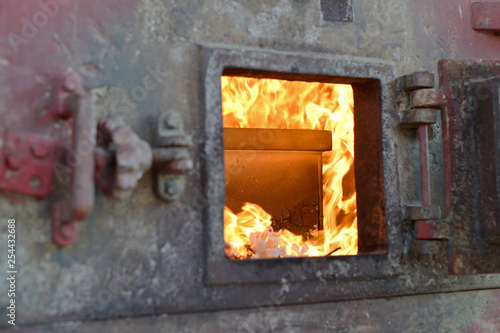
<point x="471" y="312"/>
<point x="143" y="257"/>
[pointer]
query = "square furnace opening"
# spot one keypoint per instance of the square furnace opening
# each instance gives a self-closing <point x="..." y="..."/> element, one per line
<point x="292" y="146"/>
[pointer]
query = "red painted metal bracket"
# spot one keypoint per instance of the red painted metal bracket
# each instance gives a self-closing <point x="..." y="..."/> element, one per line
<point x="431" y="230"/>
<point x="27" y="162"/>
<point x="486" y="15"/>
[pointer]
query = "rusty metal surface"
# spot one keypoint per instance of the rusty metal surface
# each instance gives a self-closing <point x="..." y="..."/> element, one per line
<point x="372" y="209"/>
<point x="79" y="106"/>
<point x="416" y="213"/>
<point x="373" y="193"/>
<point x="415" y="117"/>
<point x="487" y="99"/>
<point x="486" y="15"/>
<point x="416" y="92"/>
<point x="287" y="185"/>
<point x="426" y="98"/>
<point x="421" y="97"/>
<point x="279" y="170"/>
<point x="469" y="253"/>
<point x="276" y="139"/>
<point x="415" y="80"/>
<point x="432" y="230"/>
<point x="425" y="184"/>
<point x="142" y="256"/>
<point x="443" y="30"/>
<point x="81" y="194"/>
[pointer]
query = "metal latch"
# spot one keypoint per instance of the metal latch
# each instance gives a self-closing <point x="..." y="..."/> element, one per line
<point x="105" y="151"/>
<point x="418" y="105"/>
<point x="486" y="16"/>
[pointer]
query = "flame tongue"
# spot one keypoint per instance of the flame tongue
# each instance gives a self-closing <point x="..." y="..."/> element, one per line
<point x="271" y="103"/>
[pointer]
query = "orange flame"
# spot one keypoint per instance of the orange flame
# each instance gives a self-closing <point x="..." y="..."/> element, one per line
<point x="271" y="103"/>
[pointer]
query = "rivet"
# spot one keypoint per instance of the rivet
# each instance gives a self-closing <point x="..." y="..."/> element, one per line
<point x="39" y="149"/>
<point x="35" y="182"/>
<point x="14" y="161"/>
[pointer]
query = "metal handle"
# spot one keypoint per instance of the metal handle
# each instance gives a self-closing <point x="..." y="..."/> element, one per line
<point x="420" y="102"/>
<point x="80" y="202"/>
<point x="120" y="169"/>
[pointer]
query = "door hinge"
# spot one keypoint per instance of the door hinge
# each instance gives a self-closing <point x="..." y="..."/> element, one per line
<point x="418" y="105"/>
<point x="486" y="16"/>
<point x="27" y="162"/>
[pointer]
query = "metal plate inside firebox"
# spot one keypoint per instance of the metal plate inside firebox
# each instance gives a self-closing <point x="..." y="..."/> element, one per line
<point x="287" y="184"/>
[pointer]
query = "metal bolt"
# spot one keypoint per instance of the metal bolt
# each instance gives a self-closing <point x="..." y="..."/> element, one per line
<point x="39" y="149"/>
<point x="35" y="182"/>
<point x="172" y="187"/>
<point x="14" y="161"/>
<point x="173" y="121"/>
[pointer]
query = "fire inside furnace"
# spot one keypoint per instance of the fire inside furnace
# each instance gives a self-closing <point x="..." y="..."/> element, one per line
<point x="289" y="167"/>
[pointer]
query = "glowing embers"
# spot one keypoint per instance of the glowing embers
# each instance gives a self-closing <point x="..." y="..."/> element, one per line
<point x="289" y="192"/>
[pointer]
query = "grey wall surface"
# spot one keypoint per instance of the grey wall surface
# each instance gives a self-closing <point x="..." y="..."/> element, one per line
<point x="144" y="257"/>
